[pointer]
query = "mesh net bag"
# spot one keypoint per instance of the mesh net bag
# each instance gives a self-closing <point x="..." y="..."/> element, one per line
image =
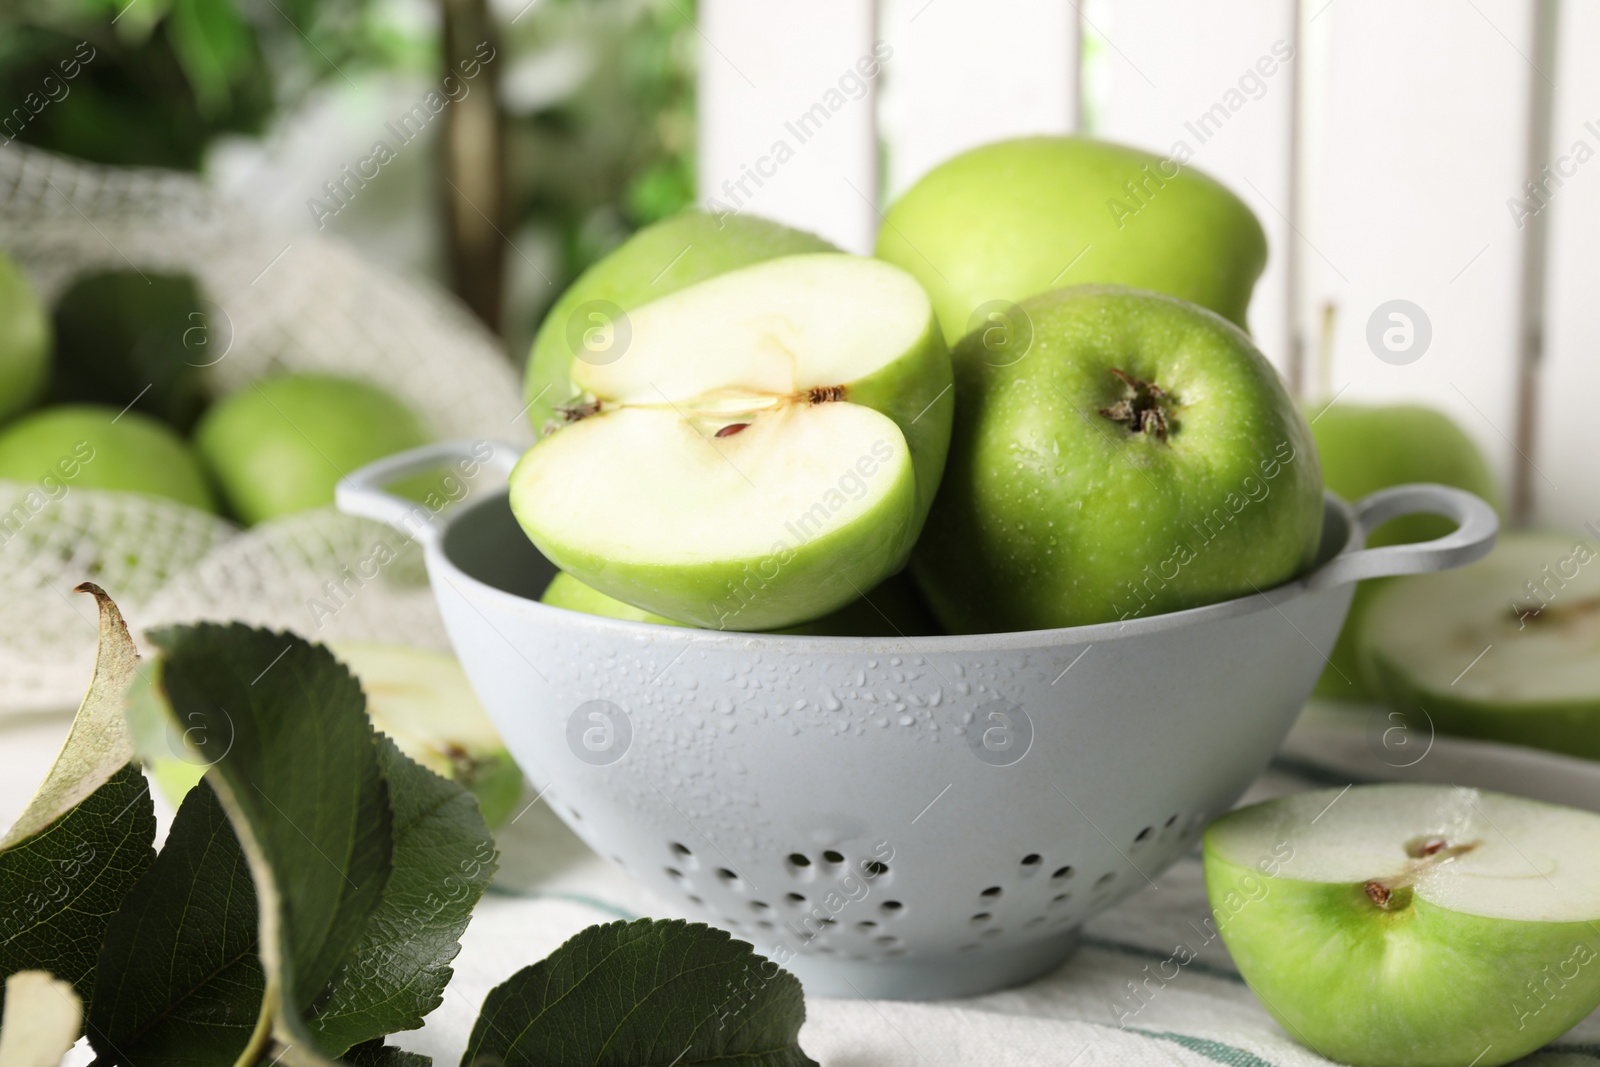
<point x="275" y="302"/>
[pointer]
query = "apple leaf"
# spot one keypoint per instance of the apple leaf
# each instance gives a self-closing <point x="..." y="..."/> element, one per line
<point x="649" y="991"/>
<point x="376" y="1054"/>
<point x="87" y="834"/>
<point x="179" y="979"/>
<point x="294" y="763"/>
<point x="443" y="860"/>
<point x="41" y="1021"/>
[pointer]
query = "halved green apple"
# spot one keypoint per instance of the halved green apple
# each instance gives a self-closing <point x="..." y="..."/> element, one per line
<point x="763" y="451"/>
<point x="892" y="609"/>
<point x="1507" y="649"/>
<point x="422" y="700"/>
<point x="1412" y="925"/>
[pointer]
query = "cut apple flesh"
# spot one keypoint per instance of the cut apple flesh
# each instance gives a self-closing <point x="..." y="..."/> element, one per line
<point x="1519" y="627"/>
<point x="1472" y="852"/>
<point x="720" y="471"/>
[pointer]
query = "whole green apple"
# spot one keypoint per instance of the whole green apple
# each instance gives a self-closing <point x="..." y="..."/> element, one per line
<point x="1139" y="457"/>
<point x="1507" y="649"/>
<point x="659" y="259"/>
<point x="1412" y="925"/>
<point x="1014" y="218"/>
<point x="90" y="447"/>
<point x="893" y="609"/>
<point x="749" y="451"/>
<point x="24" y="340"/>
<point x="1365" y="448"/>
<point x="280" y="445"/>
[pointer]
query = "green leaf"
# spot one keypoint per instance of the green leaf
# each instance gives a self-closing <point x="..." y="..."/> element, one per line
<point x="85" y="837"/>
<point x="377" y="1054"/>
<point x="41" y="1021"/>
<point x="443" y="860"/>
<point x="179" y="979"/>
<point x="295" y="765"/>
<point x="653" y="992"/>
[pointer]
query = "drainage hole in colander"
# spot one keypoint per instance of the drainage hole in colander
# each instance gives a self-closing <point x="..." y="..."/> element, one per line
<point x="576" y="814"/>
<point x="759" y="906"/>
<point x="1031" y="862"/>
<point x="1143" y="835"/>
<point x="1035" y="921"/>
<point x="1170" y="820"/>
<point x="731" y="877"/>
<point x="795" y="898"/>
<point x="1105" y="880"/>
<point x="695" y="900"/>
<point x="886" y="940"/>
<point x="874" y="869"/>
<point x="992" y="893"/>
<point x="1061" y="874"/>
<point x="684" y="856"/>
<point x="981" y="918"/>
<point x="866" y="924"/>
<point x="675" y="874"/>
<point x="800" y="865"/>
<point x="829" y="922"/>
<point x="767" y="924"/>
<point x="891" y="907"/>
<point x="833" y="858"/>
<point x="993" y="931"/>
<point x="1060" y="899"/>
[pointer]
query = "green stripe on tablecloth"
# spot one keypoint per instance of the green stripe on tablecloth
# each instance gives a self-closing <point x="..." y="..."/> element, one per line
<point x="1211" y="1050"/>
<point x="1591" y="1051"/>
<point x="1143" y="953"/>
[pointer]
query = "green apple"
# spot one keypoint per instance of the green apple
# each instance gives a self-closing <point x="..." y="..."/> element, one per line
<point x="893" y="609"/>
<point x="137" y="337"/>
<point x="1412" y="925"/>
<point x="1139" y="457"/>
<point x="1014" y="218"/>
<point x="659" y="259"/>
<point x="422" y="700"/>
<point x="280" y="445"/>
<point x="1365" y="448"/>
<point x="24" y="340"/>
<point x="761" y="451"/>
<point x="1506" y="649"/>
<point x="89" y="447"/>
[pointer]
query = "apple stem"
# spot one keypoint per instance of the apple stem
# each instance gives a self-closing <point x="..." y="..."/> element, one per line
<point x="1378" y="893"/>
<point x="1141" y="408"/>
<point x="825" y="394"/>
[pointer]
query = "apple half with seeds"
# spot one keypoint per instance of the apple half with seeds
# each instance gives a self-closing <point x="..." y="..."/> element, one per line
<point x="1412" y="925"/>
<point x="1507" y="649"/>
<point x="761" y="452"/>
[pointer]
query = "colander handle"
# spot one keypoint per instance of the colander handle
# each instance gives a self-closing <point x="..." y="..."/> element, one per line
<point x="363" y="492"/>
<point x="1477" y="526"/>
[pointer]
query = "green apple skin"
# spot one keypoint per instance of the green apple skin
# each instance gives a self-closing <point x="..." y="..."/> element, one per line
<point x="1365" y="448"/>
<point x="892" y="609"/>
<point x="1420" y="985"/>
<point x="1052" y="514"/>
<point x="24" y="340"/>
<point x="1568" y="724"/>
<point x="1011" y="219"/>
<point x="280" y="445"/>
<point x="660" y="259"/>
<point x="90" y="447"/>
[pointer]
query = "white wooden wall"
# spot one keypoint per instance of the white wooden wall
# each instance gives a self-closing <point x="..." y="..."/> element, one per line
<point x="1380" y="159"/>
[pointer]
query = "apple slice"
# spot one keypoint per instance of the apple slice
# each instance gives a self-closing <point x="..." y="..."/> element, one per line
<point x="1413" y="925"/>
<point x="1507" y="649"/>
<point x="892" y="609"/>
<point x="762" y="452"/>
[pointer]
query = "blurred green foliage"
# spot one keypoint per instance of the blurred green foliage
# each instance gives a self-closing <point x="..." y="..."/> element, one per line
<point x="601" y="136"/>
